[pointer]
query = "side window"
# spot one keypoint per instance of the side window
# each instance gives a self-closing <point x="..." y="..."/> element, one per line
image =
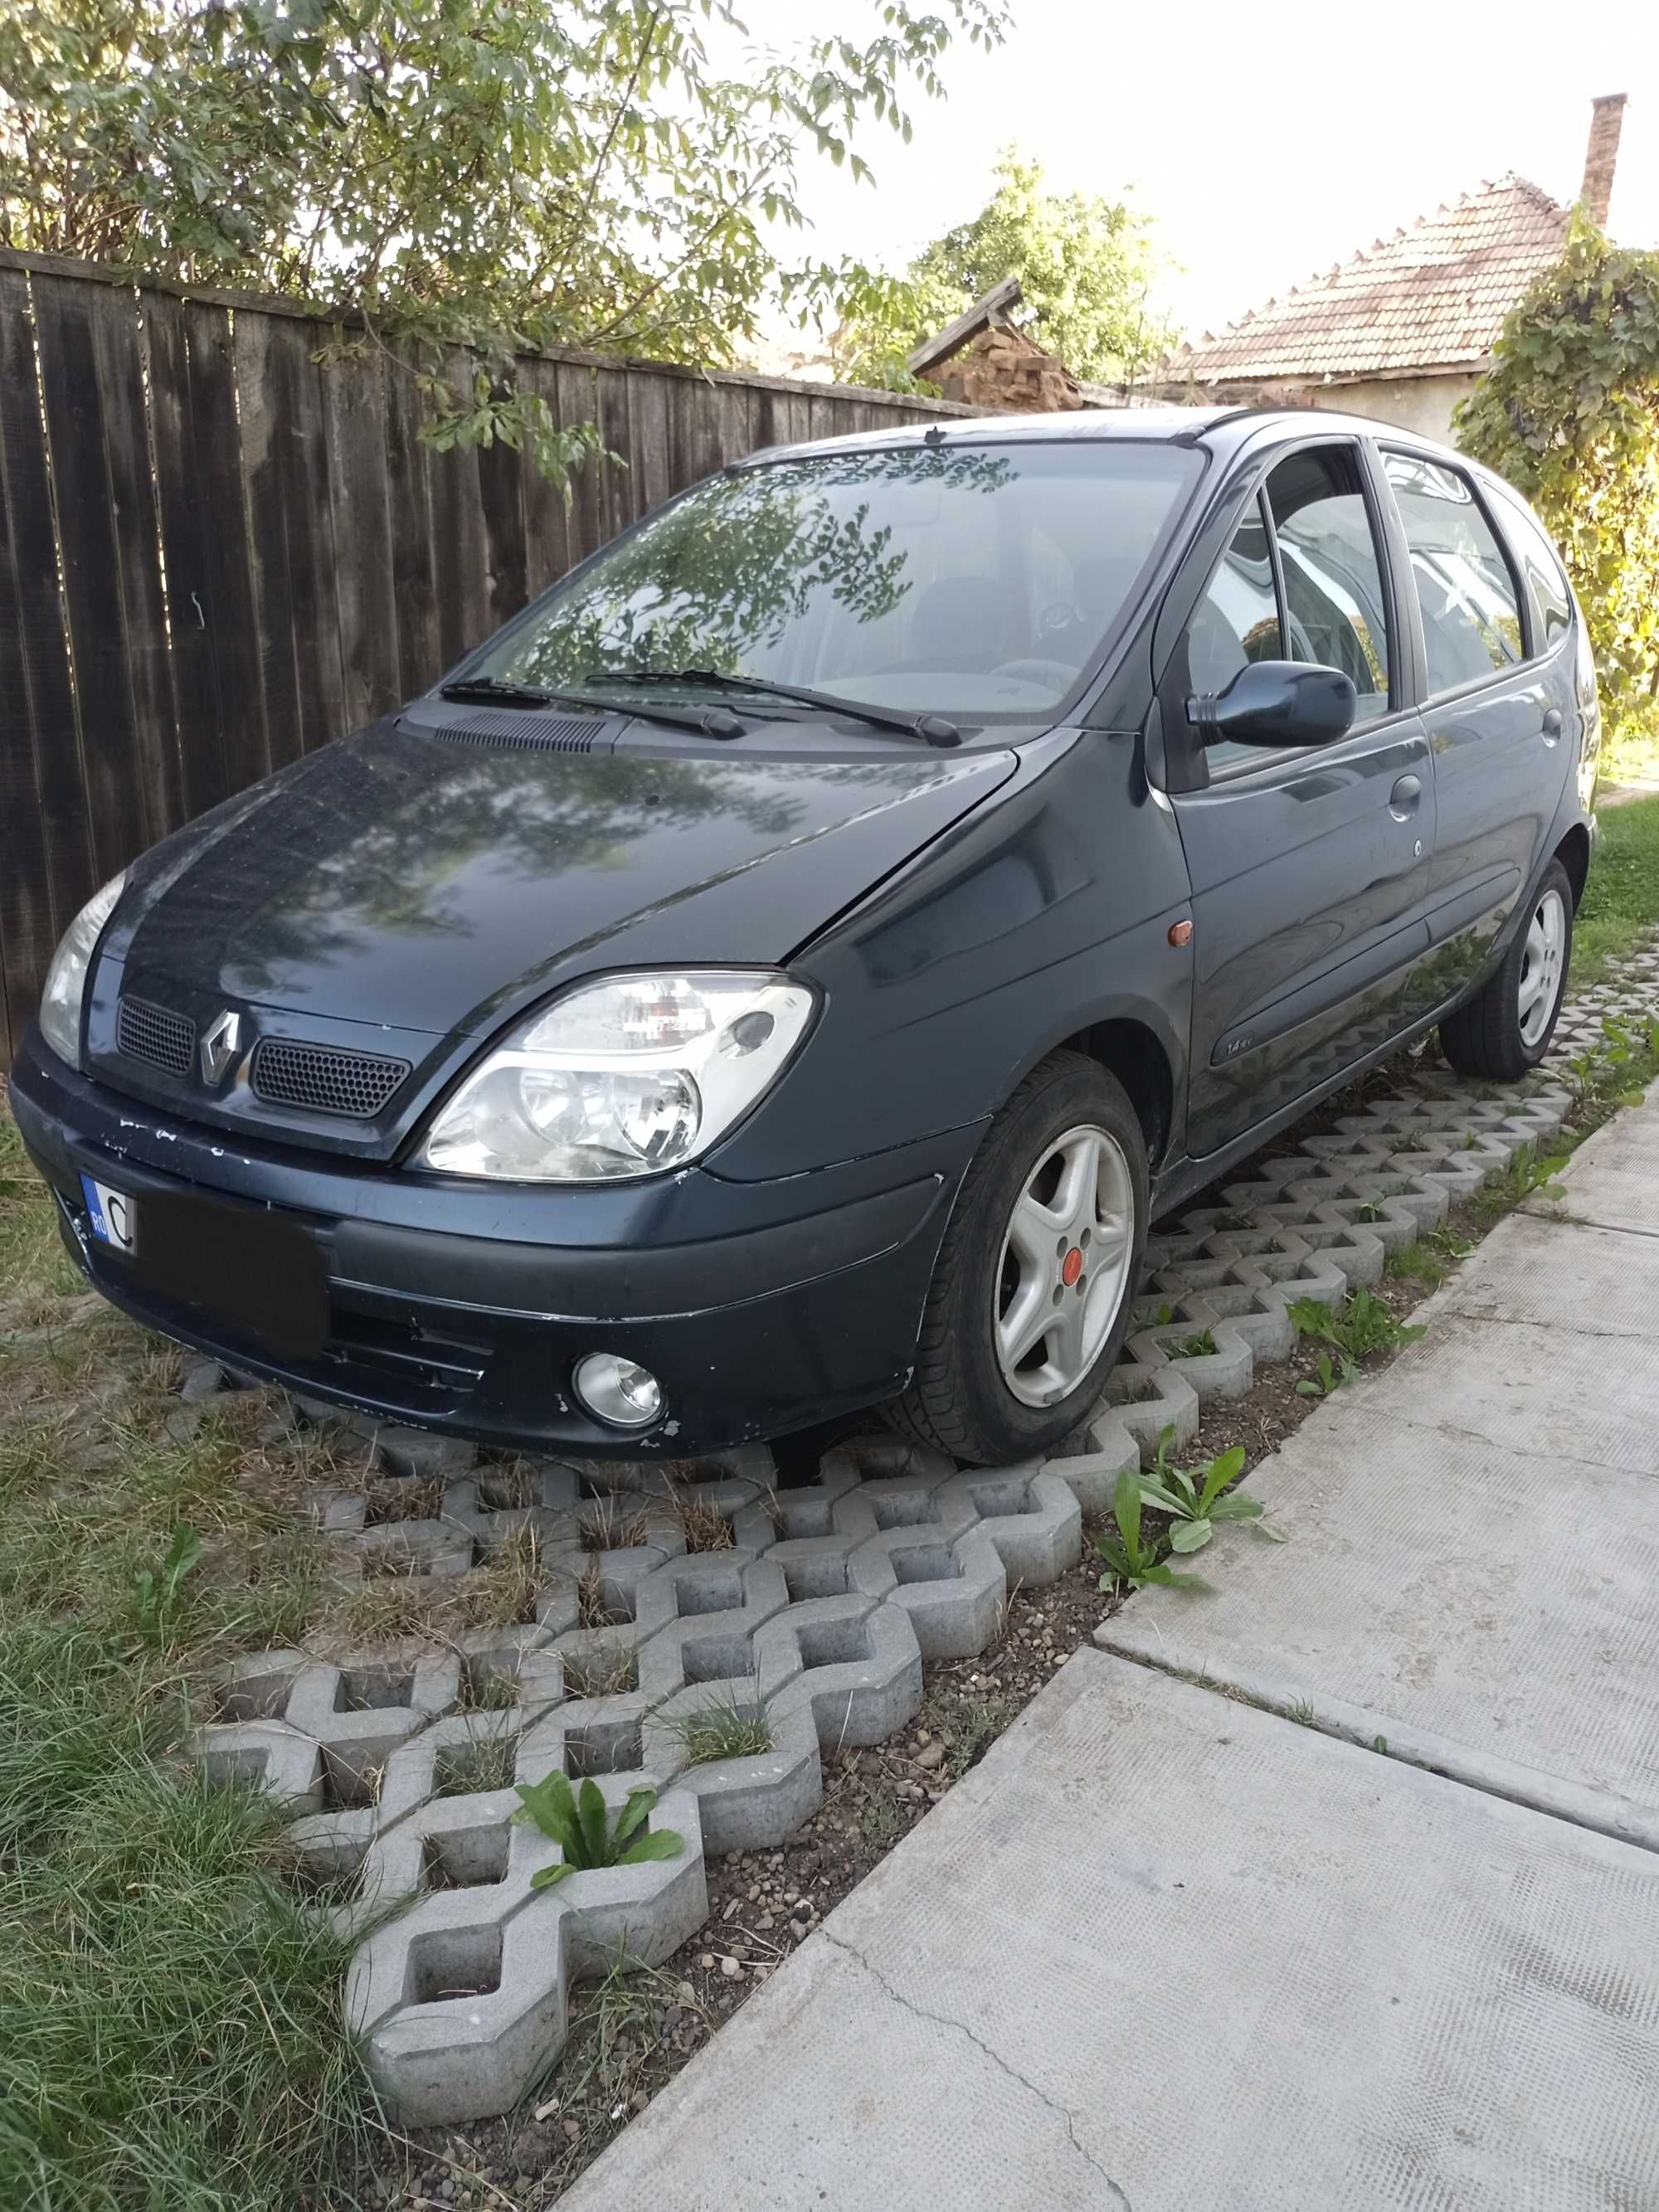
<point x="1550" y="595"/>
<point x="1237" y="620"/>
<point x="1234" y="621"/>
<point x="1336" y="609"/>
<point x="1471" y="607"/>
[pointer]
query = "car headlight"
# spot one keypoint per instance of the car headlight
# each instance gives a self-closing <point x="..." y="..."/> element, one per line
<point x="66" y="978"/>
<point x="621" y="1077"/>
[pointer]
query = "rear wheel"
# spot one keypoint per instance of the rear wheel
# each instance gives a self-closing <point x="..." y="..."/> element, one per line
<point x="1031" y="1294"/>
<point x="1506" y="1028"/>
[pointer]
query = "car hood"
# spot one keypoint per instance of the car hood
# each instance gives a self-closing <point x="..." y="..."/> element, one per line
<point x="397" y="880"/>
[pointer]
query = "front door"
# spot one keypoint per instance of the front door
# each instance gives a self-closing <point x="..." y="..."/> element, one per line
<point x="1310" y="869"/>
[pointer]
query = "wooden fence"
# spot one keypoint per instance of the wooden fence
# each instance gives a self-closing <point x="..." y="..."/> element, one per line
<point x="217" y="552"/>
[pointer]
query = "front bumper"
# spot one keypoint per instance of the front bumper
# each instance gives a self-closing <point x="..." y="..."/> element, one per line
<point x="759" y="1307"/>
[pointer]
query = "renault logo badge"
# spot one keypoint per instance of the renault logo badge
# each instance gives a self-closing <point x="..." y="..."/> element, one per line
<point x="221" y="1046"/>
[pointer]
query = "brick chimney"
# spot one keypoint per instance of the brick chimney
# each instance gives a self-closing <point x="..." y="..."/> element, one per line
<point x="1601" y="155"/>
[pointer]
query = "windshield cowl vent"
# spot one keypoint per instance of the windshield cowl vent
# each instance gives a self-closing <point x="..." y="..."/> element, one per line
<point x="520" y="730"/>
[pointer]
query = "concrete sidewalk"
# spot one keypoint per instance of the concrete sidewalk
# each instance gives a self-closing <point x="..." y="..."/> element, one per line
<point x="1171" y="1949"/>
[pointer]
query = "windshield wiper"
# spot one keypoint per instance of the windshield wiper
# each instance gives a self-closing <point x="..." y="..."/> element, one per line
<point x="493" y="691"/>
<point x="933" y="729"/>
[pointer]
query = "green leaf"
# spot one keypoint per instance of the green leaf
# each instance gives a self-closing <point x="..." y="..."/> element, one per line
<point x="1162" y="1500"/>
<point x="550" y="1804"/>
<point x="1221" y="1472"/>
<point x="1236" y="1509"/>
<point x="184" y="1552"/>
<point x="1190" y="1536"/>
<point x="1168" y="1579"/>
<point x="639" y="1804"/>
<point x="660" y="1844"/>
<point x="590" y="1806"/>
<point x="1126" y="1509"/>
<point x="1309" y="1389"/>
<point x="544" y="1877"/>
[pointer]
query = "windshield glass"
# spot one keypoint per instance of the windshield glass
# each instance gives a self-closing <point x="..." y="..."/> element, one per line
<point x="971" y="580"/>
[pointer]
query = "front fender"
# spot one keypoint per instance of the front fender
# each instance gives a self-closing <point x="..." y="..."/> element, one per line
<point x="1046" y="911"/>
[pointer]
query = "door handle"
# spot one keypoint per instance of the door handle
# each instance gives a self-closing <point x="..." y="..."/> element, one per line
<point x="1552" y="725"/>
<point x="1402" y="800"/>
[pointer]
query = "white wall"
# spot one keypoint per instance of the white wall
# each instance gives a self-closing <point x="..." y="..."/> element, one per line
<point x="1423" y="404"/>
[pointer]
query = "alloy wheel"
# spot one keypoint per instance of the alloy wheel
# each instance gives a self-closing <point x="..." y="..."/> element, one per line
<point x="1541" y="971"/>
<point x="1065" y="1265"/>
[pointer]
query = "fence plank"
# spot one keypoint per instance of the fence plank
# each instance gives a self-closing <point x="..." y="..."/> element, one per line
<point x="226" y="605"/>
<point x="121" y="352"/>
<point x="650" y="462"/>
<point x="354" y="410"/>
<point x="579" y="404"/>
<point x="51" y="855"/>
<point x="285" y="453"/>
<point x="459" y="540"/>
<point x="501" y="495"/>
<point x="118" y="806"/>
<point x="186" y="545"/>
<point x="546" y="526"/>
<point x="420" y="656"/>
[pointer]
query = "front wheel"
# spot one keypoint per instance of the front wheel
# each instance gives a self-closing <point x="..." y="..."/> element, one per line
<point x="1506" y="1028"/>
<point x="1032" y="1291"/>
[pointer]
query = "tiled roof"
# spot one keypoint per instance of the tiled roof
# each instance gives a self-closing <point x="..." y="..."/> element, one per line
<point x="1431" y="296"/>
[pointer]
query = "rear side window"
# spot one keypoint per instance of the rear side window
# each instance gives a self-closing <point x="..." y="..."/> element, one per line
<point x="1550" y="595"/>
<point x="1334" y="610"/>
<point x="1465" y="587"/>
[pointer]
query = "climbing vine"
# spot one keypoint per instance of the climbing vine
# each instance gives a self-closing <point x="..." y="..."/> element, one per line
<point x="1569" y="413"/>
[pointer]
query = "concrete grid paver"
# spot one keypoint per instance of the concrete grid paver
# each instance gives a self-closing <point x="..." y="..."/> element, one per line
<point x="832" y="1594"/>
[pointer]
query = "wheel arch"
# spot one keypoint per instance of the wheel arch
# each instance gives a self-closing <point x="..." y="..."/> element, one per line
<point x="1132" y="1052"/>
<point x="1574" y="853"/>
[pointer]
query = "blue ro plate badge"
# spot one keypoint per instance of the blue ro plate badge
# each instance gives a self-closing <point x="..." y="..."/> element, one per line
<point x="112" y="1216"/>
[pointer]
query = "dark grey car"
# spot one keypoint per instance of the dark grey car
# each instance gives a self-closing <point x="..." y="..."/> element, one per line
<point x="788" y="968"/>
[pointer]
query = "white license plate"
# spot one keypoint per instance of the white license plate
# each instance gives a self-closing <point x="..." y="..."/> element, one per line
<point x="112" y="1216"/>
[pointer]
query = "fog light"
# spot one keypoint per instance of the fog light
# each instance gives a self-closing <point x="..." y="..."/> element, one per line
<point x="617" y="1392"/>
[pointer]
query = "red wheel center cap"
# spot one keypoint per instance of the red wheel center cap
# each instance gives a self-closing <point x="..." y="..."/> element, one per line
<point x="1072" y="1266"/>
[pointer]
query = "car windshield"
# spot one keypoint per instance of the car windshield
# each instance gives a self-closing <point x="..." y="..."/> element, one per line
<point x="972" y="580"/>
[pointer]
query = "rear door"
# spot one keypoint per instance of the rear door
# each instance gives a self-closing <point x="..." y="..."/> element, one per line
<point x="1498" y="700"/>
<point x="1309" y="868"/>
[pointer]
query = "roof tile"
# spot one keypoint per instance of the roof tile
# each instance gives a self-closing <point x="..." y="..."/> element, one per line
<point x="1432" y="296"/>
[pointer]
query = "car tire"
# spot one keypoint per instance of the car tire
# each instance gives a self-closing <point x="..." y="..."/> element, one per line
<point x="1505" y="1029"/>
<point x="973" y="1394"/>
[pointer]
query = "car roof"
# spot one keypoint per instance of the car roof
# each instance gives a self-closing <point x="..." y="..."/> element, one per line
<point x="1215" y="427"/>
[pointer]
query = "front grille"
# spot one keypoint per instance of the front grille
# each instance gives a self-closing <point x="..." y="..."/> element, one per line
<point x="323" y="1080"/>
<point x="154" y="1035"/>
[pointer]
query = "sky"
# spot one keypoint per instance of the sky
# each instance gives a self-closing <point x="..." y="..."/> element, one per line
<point x="1268" y="144"/>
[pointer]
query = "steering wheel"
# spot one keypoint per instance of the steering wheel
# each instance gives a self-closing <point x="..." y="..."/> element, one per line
<point x="1057" y="617"/>
<point x="1033" y="670"/>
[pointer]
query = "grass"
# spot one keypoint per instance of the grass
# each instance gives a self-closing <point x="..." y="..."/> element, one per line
<point x="1201" y="1346"/>
<point x="1621" y="899"/>
<point x="170" y="2028"/>
<point x="489" y="1763"/>
<point x="170" y="2023"/>
<point x="729" y="1726"/>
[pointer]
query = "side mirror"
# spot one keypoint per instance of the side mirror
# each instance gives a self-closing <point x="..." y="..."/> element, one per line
<point x="1276" y="702"/>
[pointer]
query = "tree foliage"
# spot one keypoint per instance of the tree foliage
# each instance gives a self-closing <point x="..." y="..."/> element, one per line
<point x="502" y="174"/>
<point x="1086" y="266"/>
<point x="1569" y="413"/>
